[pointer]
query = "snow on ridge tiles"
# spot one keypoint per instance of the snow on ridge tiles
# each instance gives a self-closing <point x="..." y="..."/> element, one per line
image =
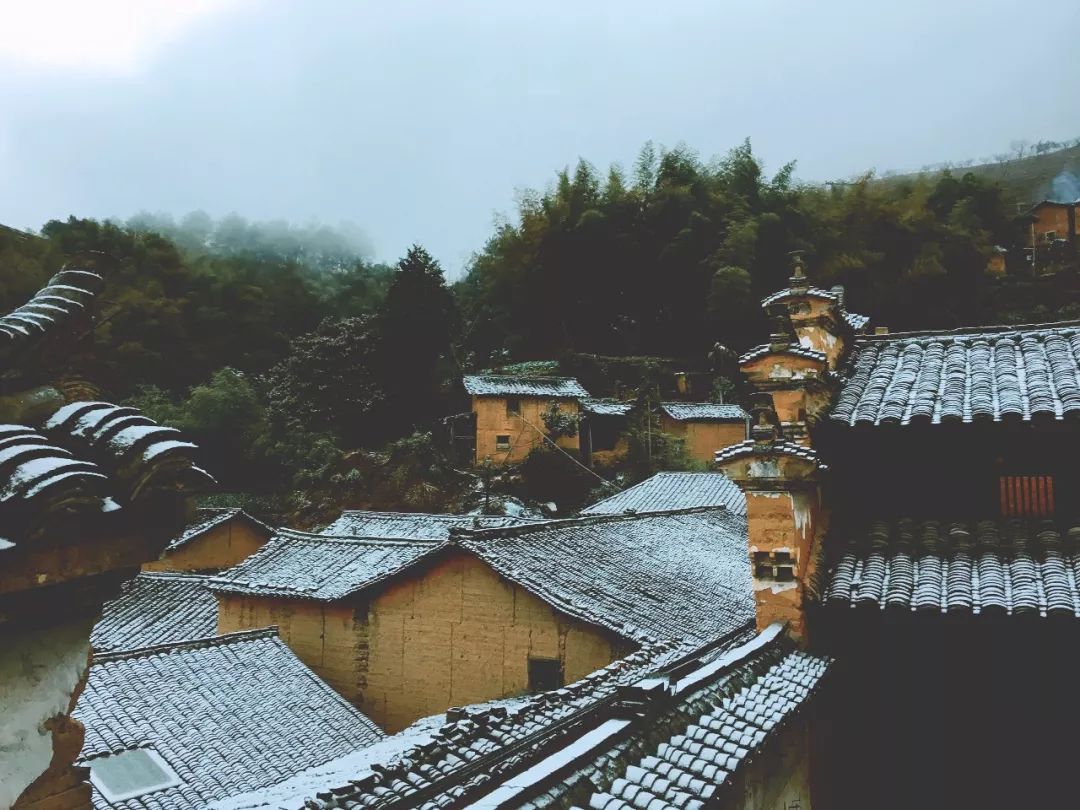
<point x="154" y="609"/>
<point x="523" y="386"/>
<point x="65" y="293"/>
<point x="703" y="411"/>
<point x="992" y="374"/>
<point x="667" y="491"/>
<point x="793" y="349"/>
<point x="782" y="447"/>
<point x="412" y="525"/>
<point x="228" y="714"/>
<point x="1009" y="566"/>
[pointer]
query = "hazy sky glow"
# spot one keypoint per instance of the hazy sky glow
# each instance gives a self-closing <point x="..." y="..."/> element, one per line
<point x="419" y="120"/>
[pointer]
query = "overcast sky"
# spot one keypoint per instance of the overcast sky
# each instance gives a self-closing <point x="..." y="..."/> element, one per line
<point x="418" y="120"/>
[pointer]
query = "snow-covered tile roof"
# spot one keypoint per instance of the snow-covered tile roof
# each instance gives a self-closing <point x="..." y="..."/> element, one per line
<point x="229" y="714"/>
<point x="412" y="525"/>
<point x="503" y="385"/>
<point x="794" y="350"/>
<point x="434" y="764"/>
<point x="156" y="609"/>
<point x="668" y="491"/>
<point x="703" y="412"/>
<point x="782" y="448"/>
<point x="89" y="457"/>
<point x="992" y="374"/>
<point x="1009" y="566"/>
<point x="299" y="565"/>
<point x="66" y="294"/>
<point x="606" y="407"/>
<point x="648" y="577"/>
<point x="208" y="518"/>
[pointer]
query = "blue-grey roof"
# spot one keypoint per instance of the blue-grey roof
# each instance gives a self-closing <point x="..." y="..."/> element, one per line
<point x="412" y="525"/>
<point x="703" y="412"/>
<point x="606" y="407"/>
<point x="155" y="609"/>
<point x="667" y="491"/>
<point x="229" y="714"/>
<point x="503" y="385"/>
<point x="991" y="374"/>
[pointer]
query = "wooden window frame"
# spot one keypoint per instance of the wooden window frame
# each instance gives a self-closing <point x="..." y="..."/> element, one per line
<point x="1026" y="496"/>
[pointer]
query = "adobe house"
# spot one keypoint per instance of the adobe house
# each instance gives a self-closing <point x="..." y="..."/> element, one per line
<point x="219" y="538"/>
<point x="923" y="532"/>
<point x="509" y="413"/>
<point x="407" y="628"/>
<point x="88" y="492"/>
<point x="704" y="427"/>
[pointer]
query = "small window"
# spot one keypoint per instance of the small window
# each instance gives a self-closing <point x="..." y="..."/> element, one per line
<point x="513" y="406"/>
<point x="1026" y="495"/>
<point x="502" y="442"/>
<point x="545" y="674"/>
<point x="1050" y="236"/>
<point x="131" y="773"/>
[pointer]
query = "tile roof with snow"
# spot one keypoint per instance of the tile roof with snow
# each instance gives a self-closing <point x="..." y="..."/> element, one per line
<point x="89" y="458"/>
<point x="794" y="350"/>
<point x="229" y="714"/>
<point x="992" y="374"/>
<point x="504" y="385"/>
<point x="703" y="412"/>
<point x="412" y="525"/>
<point x="668" y="491"/>
<point x="606" y="407"/>
<point x="156" y="609"/>
<point x="647" y="577"/>
<point x="66" y="294"/>
<point x="781" y="447"/>
<point x="299" y="565"/>
<point x="1008" y="567"/>
<point x="668" y="575"/>
<point x="701" y="729"/>
<point x="430" y="767"/>
<point x="650" y="731"/>
<point x="209" y="518"/>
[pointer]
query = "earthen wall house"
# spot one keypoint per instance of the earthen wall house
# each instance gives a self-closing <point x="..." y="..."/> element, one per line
<point x="509" y="413"/>
<point x="447" y="634"/>
<point x="219" y="539"/>
<point x="1056" y="219"/>
<point x="405" y="629"/>
<point x="704" y="427"/>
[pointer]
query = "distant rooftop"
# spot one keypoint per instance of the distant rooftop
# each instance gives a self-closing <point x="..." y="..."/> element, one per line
<point x="208" y="518"/>
<point x="501" y="385"/>
<point x="668" y="491"/>
<point x="703" y="412"/>
<point x="412" y="525"/>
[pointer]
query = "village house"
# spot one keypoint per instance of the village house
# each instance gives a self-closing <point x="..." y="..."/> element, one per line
<point x="604" y="424"/>
<point x="672" y="491"/>
<point x="219" y="538"/>
<point x="703" y="427"/>
<point x="509" y="413"/>
<point x="156" y="608"/>
<point x="407" y="628"/>
<point x="88" y="492"/>
<point x="183" y="724"/>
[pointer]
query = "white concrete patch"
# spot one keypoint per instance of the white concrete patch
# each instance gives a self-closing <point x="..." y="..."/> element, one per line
<point x="765" y="468"/>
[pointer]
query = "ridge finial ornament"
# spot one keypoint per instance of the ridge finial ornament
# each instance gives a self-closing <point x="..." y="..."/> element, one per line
<point x="798" y="278"/>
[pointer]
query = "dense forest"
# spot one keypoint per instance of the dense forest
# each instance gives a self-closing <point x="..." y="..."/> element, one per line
<point x="300" y="365"/>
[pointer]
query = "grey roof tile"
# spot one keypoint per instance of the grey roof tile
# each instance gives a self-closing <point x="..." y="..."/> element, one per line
<point x="501" y="385"/>
<point x="156" y="609"/>
<point x="209" y="518"/>
<point x="667" y="491"/>
<point x="1011" y="566"/>
<point x="66" y="294"/>
<point x="796" y="351"/>
<point x="782" y="447"/>
<point x="703" y="412"/>
<point x="606" y="407"/>
<point x="230" y="714"/>
<point x="992" y="374"/>
<point x="412" y="525"/>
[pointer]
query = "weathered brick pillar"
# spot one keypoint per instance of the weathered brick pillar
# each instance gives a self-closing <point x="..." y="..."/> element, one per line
<point x="781" y="481"/>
